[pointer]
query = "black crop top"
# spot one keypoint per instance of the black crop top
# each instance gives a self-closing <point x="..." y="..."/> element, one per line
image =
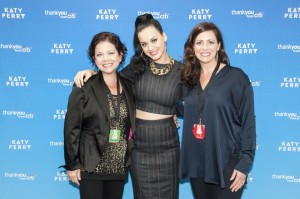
<point x="156" y="93"/>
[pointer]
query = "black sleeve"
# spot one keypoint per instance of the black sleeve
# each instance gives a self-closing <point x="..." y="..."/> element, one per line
<point x="72" y="129"/>
<point x="180" y="105"/>
<point x="127" y="73"/>
<point x="248" y="134"/>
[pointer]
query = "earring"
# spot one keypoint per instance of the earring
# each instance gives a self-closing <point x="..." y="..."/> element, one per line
<point x="217" y="55"/>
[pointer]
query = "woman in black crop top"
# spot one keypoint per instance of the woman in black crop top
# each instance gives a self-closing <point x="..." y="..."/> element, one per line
<point x="156" y="82"/>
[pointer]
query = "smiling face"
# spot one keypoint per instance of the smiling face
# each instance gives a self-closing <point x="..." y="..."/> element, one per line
<point x="153" y="44"/>
<point x="206" y="48"/>
<point x="107" y="58"/>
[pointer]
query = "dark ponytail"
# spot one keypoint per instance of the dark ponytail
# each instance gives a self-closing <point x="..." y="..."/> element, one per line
<point x="139" y="61"/>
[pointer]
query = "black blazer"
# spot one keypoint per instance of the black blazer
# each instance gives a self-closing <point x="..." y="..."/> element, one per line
<point x="86" y="125"/>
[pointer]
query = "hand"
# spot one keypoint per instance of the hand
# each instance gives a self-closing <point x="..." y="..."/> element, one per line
<point x="176" y="121"/>
<point x="74" y="176"/>
<point x="239" y="180"/>
<point x="82" y="76"/>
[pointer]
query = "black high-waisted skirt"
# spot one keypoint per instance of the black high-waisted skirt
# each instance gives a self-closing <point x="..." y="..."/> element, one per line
<point x="155" y="160"/>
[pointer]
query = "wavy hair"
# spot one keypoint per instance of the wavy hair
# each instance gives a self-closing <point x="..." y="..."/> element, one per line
<point x="111" y="38"/>
<point x="191" y="71"/>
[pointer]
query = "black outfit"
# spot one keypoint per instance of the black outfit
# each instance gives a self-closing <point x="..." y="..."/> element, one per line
<point x="203" y="190"/>
<point x="155" y="158"/>
<point x="112" y="163"/>
<point x="228" y="116"/>
<point x="92" y="189"/>
<point x="90" y="116"/>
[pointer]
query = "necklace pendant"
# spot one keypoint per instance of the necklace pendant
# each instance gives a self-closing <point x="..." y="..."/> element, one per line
<point x="161" y="71"/>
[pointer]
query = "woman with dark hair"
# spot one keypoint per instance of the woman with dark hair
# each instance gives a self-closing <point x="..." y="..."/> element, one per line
<point x="157" y="86"/>
<point x="97" y="142"/>
<point x="219" y="133"/>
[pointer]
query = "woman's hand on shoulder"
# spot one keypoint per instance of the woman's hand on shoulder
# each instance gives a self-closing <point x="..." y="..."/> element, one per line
<point x="176" y="121"/>
<point x="82" y="76"/>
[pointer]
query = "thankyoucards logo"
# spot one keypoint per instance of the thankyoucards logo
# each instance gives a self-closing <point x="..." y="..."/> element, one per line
<point x="155" y="14"/>
<point x="16" y="48"/>
<point x="19" y="176"/>
<point x="291" y="116"/>
<point x="56" y="143"/>
<point x="60" y="81"/>
<point x="18" y="114"/>
<point x="61" y="14"/>
<point x="255" y="83"/>
<point x="291" y="47"/>
<point x="287" y="178"/>
<point x="247" y="13"/>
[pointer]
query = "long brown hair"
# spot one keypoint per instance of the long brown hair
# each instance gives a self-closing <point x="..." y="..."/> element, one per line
<point x="191" y="71"/>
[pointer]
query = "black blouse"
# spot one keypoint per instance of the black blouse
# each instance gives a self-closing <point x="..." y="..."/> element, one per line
<point x="228" y="116"/>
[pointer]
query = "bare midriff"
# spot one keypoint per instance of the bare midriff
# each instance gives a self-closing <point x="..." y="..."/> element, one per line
<point x="150" y="116"/>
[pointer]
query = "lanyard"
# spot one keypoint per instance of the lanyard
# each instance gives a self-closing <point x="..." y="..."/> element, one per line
<point x="202" y="100"/>
<point x="116" y="107"/>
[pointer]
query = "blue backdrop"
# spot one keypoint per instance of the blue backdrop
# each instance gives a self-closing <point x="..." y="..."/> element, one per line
<point x="43" y="43"/>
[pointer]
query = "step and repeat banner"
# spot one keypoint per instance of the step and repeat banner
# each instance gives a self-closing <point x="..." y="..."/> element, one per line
<point x="43" y="43"/>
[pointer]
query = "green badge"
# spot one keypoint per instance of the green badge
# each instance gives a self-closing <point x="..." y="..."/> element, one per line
<point x="114" y="135"/>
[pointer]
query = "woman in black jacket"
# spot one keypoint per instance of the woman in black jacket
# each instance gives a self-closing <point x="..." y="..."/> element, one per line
<point x="98" y="122"/>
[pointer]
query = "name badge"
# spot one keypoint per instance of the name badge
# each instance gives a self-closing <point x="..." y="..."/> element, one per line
<point x="114" y="135"/>
<point x="199" y="131"/>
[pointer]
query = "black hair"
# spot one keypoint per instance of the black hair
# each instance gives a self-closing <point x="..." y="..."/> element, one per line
<point x="110" y="37"/>
<point x="139" y="60"/>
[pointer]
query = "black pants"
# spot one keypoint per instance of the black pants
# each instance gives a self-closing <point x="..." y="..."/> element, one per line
<point x="202" y="190"/>
<point x="101" y="189"/>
